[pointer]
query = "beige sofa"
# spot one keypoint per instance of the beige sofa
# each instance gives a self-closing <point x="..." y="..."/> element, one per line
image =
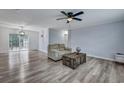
<point x="55" y="51"/>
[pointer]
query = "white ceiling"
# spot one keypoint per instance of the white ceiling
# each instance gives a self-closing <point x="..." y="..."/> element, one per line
<point x="46" y="18"/>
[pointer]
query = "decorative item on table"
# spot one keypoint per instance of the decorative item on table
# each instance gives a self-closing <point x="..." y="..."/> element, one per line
<point x="78" y="49"/>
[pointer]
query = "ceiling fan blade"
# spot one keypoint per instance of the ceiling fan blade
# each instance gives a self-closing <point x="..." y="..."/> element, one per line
<point x="61" y="18"/>
<point x="79" y="13"/>
<point x="64" y="13"/>
<point x="77" y="19"/>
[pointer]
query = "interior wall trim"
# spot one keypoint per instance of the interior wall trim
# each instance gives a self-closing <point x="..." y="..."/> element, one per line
<point x="110" y="59"/>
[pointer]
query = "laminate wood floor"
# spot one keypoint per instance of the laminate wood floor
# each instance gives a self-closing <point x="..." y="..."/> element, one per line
<point x="35" y="67"/>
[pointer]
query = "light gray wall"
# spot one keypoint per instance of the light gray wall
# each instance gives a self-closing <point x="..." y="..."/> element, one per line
<point x="4" y="38"/>
<point x="33" y="40"/>
<point x="56" y="36"/>
<point x="44" y="41"/>
<point x="101" y="41"/>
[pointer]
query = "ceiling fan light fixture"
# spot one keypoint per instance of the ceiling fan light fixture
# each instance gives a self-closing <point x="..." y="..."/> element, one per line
<point x="22" y="33"/>
<point x="69" y="19"/>
<point x="69" y="16"/>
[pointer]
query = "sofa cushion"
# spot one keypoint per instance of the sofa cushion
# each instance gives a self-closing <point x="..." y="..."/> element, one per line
<point x="61" y="47"/>
<point x="55" y="46"/>
<point x="63" y="52"/>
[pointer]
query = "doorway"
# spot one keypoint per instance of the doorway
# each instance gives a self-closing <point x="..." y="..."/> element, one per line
<point x="18" y="42"/>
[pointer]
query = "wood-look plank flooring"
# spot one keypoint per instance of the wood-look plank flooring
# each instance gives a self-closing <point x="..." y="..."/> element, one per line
<point x="35" y="67"/>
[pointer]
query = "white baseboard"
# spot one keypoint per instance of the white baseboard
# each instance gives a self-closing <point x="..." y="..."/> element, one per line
<point x="110" y="59"/>
<point x="4" y="51"/>
<point x="7" y="51"/>
<point x="43" y="51"/>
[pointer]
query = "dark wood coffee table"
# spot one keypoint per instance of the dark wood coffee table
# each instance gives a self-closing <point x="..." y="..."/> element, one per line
<point x="73" y="60"/>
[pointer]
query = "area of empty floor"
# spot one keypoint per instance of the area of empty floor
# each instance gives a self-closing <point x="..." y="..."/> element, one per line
<point x="35" y="67"/>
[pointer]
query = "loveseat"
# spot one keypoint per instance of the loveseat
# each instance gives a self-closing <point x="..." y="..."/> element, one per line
<point x="56" y="51"/>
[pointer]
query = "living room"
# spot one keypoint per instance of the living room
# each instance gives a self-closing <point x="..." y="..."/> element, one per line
<point x="86" y="46"/>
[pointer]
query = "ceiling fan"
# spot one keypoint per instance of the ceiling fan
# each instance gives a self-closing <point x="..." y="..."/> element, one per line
<point x="69" y="16"/>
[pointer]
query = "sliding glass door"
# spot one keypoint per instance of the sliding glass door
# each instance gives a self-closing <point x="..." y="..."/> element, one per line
<point x="23" y="42"/>
<point x="18" y="42"/>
